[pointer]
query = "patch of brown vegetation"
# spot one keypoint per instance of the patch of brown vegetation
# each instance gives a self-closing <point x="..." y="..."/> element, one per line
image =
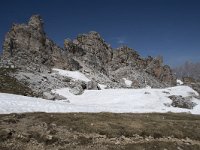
<point x="88" y="131"/>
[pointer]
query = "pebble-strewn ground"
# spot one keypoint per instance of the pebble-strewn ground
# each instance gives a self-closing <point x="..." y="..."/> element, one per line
<point x="104" y="131"/>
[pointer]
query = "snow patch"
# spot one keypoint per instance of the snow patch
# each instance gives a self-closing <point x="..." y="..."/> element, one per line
<point x="107" y="100"/>
<point x="76" y="75"/>
<point x="127" y="82"/>
<point x="102" y="86"/>
<point x="179" y="82"/>
<point x="148" y="87"/>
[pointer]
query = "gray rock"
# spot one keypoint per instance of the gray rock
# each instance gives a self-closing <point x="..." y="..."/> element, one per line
<point x="60" y="97"/>
<point x="29" y="49"/>
<point x="41" y="82"/>
<point x="48" y="96"/>
<point x="92" y="85"/>
<point x="182" y="102"/>
<point x="53" y="96"/>
<point x="76" y="87"/>
<point x="78" y="90"/>
<point x="91" y="50"/>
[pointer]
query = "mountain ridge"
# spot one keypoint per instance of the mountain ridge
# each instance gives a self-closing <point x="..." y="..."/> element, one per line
<point x="27" y="48"/>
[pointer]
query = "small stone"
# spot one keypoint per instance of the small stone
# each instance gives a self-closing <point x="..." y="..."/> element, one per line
<point x="49" y="137"/>
<point x="5" y="134"/>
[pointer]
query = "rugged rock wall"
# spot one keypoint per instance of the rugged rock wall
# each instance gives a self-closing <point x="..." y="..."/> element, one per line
<point x="149" y="71"/>
<point x="91" y="51"/>
<point x="27" y="47"/>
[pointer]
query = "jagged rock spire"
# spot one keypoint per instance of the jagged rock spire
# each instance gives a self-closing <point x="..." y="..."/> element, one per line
<point x="36" y="22"/>
<point x="28" y="47"/>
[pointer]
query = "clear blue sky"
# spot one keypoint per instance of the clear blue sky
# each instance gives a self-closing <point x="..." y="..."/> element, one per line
<point x="152" y="27"/>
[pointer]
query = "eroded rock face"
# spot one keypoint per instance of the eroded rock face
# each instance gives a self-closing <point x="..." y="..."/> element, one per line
<point x="28" y="48"/>
<point x="91" y="50"/>
<point x="122" y="57"/>
<point x="162" y="72"/>
<point x="150" y="71"/>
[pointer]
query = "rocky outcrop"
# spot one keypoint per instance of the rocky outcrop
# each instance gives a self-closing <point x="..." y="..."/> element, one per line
<point x="194" y="83"/>
<point x="41" y="82"/>
<point x="162" y="72"/>
<point x="28" y="48"/>
<point x="77" y="87"/>
<point x="182" y="102"/>
<point x="124" y="56"/>
<point x="91" y="50"/>
<point x="53" y="96"/>
<point x="92" y="85"/>
<point x="127" y="63"/>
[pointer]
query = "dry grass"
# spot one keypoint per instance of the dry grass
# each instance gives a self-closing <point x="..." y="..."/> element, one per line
<point x="100" y="131"/>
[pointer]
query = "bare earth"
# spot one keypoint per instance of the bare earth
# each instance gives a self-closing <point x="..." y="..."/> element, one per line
<point x="99" y="131"/>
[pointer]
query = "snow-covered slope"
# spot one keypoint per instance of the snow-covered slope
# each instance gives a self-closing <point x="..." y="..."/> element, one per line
<point x="107" y="100"/>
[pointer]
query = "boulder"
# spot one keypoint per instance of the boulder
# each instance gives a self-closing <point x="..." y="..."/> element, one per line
<point x="6" y="134"/>
<point x="182" y="102"/>
<point x="92" y="85"/>
<point x="76" y="87"/>
<point x="59" y="97"/>
<point x="53" y="96"/>
<point x="78" y="90"/>
<point x="48" y="96"/>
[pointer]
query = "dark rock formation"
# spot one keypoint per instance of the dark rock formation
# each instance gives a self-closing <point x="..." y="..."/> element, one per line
<point x="163" y="73"/>
<point x="124" y="56"/>
<point x="28" y="48"/>
<point x="91" y="50"/>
